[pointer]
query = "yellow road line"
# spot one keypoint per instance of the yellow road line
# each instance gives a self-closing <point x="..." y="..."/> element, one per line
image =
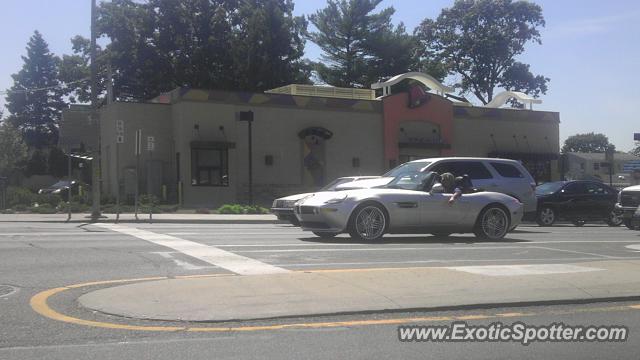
<point x="40" y="305"/>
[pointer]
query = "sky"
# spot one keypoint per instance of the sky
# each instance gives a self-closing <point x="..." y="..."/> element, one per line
<point x="590" y="50"/>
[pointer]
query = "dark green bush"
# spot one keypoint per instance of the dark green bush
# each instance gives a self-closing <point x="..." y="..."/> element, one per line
<point x="49" y="199"/>
<point x="43" y="209"/>
<point x="20" y="207"/>
<point x="20" y="196"/>
<point x="76" y="207"/>
<point x="241" y="209"/>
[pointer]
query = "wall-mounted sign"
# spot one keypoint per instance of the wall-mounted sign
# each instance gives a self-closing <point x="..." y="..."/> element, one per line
<point x="151" y="143"/>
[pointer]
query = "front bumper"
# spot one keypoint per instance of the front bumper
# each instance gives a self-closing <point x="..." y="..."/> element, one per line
<point x="626" y="211"/>
<point x="327" y="218"/>
<point x="285" y="214"/>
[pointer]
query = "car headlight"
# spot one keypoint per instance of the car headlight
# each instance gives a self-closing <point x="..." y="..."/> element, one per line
<point x="289" y="203"/>
<point x="336" y="200"/>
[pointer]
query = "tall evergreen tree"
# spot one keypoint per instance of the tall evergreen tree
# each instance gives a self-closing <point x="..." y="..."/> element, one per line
<point x="35" y="99"/>
<point x="360" y="46"/>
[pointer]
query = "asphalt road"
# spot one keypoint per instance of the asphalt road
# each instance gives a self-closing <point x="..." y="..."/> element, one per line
<point x="39" y="256"/>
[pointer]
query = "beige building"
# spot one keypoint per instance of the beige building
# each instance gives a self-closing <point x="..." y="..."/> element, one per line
<point x="195" y="148"/>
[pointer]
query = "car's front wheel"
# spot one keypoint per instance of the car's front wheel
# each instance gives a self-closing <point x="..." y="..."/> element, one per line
<point x="324" y="234"/>
<point x="614" y="219"/>
<point x="368" y="222"/>
<point x="493" y="223"/>
<point x="546" y="216"/>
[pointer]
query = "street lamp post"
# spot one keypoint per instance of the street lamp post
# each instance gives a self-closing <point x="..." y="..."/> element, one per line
<point x="95" y="178"/>
<point x="248" y="117"/>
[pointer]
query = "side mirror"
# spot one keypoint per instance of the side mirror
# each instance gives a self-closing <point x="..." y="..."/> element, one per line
<point x="437" y="189"/>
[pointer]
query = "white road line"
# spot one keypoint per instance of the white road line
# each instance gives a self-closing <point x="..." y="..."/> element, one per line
<point x="635" y="247"/>
<point x="209" y="254"/>
<point x="570" y="251"/>
<point x="519" y="270"/>
<point x="183" y="264"/>
<point x="378" y="249"/>
<point x="409" y="262"/>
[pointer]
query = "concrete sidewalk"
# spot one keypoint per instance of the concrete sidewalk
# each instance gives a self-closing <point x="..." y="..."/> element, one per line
<point x="360" y="290"/>
<point x="144" y="218"/>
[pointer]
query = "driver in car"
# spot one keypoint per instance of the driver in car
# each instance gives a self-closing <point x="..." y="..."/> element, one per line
<point x="448" y="182"/>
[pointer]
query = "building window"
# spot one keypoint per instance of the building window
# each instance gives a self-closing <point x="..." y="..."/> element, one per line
<point x="596" y="166"/>
<point x="209" y="167"/>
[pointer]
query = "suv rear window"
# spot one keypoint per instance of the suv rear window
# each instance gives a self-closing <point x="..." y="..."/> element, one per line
<point x="507" y="170"/>
<point x="475" y="169"/>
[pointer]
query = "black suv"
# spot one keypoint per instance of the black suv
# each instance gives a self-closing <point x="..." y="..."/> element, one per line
<point x="576" y="201"/>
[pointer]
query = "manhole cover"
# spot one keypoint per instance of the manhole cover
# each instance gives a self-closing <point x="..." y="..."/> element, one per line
<point x="6" y="290"/>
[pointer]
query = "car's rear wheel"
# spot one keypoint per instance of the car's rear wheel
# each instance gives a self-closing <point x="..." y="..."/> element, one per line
<point x="368" y="222"/>
<point x="614" y="219"/>
<point x="325" y="234"/>
<point x="493" y="223"/>
<point x="546" y="216"/>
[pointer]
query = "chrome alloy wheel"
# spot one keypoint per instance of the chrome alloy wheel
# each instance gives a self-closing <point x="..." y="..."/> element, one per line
<point x="495" y="223"/>
<point x="615" y="219"/>
<point x="370" y="223"/>
<point x="547" y="216"/>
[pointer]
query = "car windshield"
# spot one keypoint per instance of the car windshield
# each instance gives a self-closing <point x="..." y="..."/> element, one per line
<point x="549" y="188"/>
<point x="408" y="181"/>
<point x="407" y="169"/>
<point x="61" y="184"/>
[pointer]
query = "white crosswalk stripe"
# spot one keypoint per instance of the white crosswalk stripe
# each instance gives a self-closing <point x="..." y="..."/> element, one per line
<point x="519" y="270"/>
<point x="224" y="259"/>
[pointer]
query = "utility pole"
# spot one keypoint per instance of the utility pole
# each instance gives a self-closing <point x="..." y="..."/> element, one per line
<point x="95" y="178"/>
<point x="248" y="117"/>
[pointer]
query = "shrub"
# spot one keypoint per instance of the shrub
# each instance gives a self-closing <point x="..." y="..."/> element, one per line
<point x="76" y="207"/>
<point x="49" y="199"/>
<point x="202" y="211"/>
<point x="20" y="196"/>
<point x="20" y="207"/>
<point x="241" y="209"/>
<point x="168" y="208"/>
<point x="43" y="209"/>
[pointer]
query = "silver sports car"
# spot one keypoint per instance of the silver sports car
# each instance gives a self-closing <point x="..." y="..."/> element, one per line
<point x="411" y="203"/>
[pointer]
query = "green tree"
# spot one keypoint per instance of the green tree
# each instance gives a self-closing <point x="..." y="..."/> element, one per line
<point x="479" y="40"/>
<point x="589" y="142"/>
<point x="636" y="150"/>
<point x="13" y="151"/>
<point x="268" y="45"/>
<point x="360" y="46"/>
<point x="158" y="45"/>
<point x="35" y="99"/>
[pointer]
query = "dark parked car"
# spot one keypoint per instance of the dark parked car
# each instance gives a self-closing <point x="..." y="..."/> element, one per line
<point x="576" y="201"/>
<point x="62" y="188"/>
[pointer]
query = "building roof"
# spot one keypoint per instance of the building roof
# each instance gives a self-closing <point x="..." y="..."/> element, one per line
<point x="601" y="156"/>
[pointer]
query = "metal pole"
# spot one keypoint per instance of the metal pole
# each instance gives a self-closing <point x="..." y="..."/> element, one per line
<point x="117" y="182"/>
<point x="95" y="183"/>
<point x="250" y="166"/>
<point x="137" y="202"/>
<point x="69" y="192"/>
